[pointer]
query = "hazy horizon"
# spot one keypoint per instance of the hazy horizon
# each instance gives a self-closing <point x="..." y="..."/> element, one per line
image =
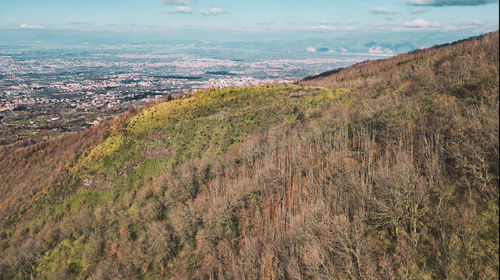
<point x="222" y="20"/>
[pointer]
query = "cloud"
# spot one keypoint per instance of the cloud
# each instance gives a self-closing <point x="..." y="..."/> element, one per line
<point x="30" y="26"/>
<point x="466" y="25"/>
<point x="420" y="22"/>
<point x="440" y="3"/>
<point x="177" y="2"/>
<point x="250" y="29"/>
<point x="420" y="10"/>
<point x="213" y="12"/>
<point x="328" y="27"/>
<point x="383" y="11"/>
<point x="311" y="49"/>
<point x="377" y="49"/>
<point x="321" y="27"/>
<point x="476" y="22"/>
<point x="181" y="10"/>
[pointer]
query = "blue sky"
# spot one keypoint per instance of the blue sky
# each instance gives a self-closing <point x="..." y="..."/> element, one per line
<point x="309" y="16"/>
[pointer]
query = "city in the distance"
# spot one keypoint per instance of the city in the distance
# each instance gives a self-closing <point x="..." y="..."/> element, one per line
<point x="55" y="78"/>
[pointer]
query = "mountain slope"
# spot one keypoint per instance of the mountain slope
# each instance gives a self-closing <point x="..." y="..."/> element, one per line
<point x="385" y="170"/>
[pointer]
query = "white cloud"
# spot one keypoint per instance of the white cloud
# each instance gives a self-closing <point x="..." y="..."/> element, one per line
<point x="376" y="49"/>
<point x="477" y="22"/>
<point x="251" y="30"/>
<point x="454" y="27"/>
<point x="350" y="28"/>
<point x="383" y="11"/>
<point x="466" y="25"/>
<point x="213" y="12"/>
<point x="30" y="26"/>
<point x="178" y="2"/>
<point x="181" y="10"/>
<point x="420" y="22"/>
<point x="311" y="49"/>
<point x="379" y="50"/>
<point x="321" y="27"/>
<point x="439" y="3"/>
<point x="331" y="27"/>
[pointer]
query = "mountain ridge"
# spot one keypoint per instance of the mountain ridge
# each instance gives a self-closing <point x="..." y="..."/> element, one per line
<point x="399" y="57"/>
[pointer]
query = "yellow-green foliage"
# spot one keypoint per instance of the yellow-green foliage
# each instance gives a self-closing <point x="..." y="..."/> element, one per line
<point x="63" y="261"/>
<point x="83" y="198"/>
<point x="96" y="158"/>
<point x="205" y="103"/>
<point x="206" y="121"/>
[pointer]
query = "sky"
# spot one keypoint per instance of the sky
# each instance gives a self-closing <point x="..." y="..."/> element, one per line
<point x="255" y="16"/>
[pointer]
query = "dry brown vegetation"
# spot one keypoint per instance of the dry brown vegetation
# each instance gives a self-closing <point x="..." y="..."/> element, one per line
<point x="394" y="177"/>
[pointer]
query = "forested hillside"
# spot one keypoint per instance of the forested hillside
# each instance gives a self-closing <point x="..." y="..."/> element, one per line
<point x="385" y="170"/>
